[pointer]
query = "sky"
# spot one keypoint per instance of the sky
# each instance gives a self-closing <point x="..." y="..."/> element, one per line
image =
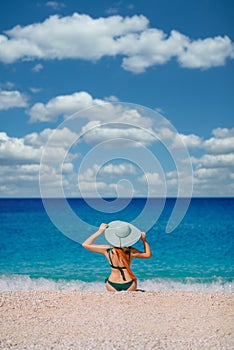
<point x="116" y="98"/>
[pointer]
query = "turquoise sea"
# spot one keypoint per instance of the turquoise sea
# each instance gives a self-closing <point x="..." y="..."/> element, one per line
<point x="198" y="255"/>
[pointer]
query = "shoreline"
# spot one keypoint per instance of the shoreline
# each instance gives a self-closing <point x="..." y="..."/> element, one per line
<point x="24" y="282"/>
<point x="74" y="319"/>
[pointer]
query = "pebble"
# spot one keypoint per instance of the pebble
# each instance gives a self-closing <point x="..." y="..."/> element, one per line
<point x="88" y="320"/>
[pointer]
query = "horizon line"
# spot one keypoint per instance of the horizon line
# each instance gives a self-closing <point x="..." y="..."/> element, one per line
<point x="105" y="198"/>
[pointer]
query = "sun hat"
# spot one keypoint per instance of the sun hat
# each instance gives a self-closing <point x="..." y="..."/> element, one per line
<point x="122" y="234"/>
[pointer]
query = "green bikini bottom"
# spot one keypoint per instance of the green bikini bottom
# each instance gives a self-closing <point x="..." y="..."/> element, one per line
<point x="120" y="286"/>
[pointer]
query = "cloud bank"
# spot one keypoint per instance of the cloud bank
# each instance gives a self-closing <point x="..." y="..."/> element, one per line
<point x="80" y="36"/>
<point x="12" y="99"/>
<point x="20" y="165"/>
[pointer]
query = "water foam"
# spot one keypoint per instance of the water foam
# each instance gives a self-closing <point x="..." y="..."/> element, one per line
<point x="26" y="283"/>
<point x="217" y="284"/>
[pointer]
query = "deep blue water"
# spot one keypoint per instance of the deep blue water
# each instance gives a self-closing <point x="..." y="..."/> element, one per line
<point x="197" y="255"/>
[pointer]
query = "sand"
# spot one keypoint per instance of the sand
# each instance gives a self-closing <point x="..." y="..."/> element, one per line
<point x="125" y="320"/>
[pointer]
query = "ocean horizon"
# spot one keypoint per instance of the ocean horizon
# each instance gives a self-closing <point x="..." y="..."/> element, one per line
<point x="197" y="255"/>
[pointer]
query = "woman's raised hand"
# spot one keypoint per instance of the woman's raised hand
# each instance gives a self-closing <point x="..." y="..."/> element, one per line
<point x="143" y="236"/>
<point x="102" y="227"/>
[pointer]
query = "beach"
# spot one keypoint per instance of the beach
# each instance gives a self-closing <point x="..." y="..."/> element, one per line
<point x="125" y="320"/>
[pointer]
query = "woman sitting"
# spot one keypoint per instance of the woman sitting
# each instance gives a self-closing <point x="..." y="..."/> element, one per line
<point x="121" y="235"/>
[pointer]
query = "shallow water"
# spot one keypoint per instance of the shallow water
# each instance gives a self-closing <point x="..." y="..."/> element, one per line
<point x="197" y="255"/>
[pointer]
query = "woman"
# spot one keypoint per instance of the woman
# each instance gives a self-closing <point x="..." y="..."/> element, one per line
<point x="121" y="235"/>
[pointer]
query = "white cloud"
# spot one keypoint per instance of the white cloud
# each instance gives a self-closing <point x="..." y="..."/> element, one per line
<point x="12" y="99"/>
<point x="112" y="11"/>
<point x="151" y="178"/>
<point x="99" y="179"/>
<point x="120" y="169"/>
<point x="219" y="145"/>
<point x="105" y="171"/>
<point x="190" y="141"/>
<point x="35" y="90"/>
<point x="213" y="182"/>
<point x="67" y="168"/>
<point x="222" y="143"/>
<point x="105" y="121"/>
<point x="122" y="113"/>
<point x="150" y="47"/>
<point x="37" y="68"/>
<point x="159" y="110"/>
<point x="61" y="138"/>
<point x="123" y="119"/>
<point x="20" y="157"/>
<point x="111" y="98"/>
<point x="20" y="160"/>
<point x="90" y="184"/>
<point x="178" y="140"/>
<point x="155" y="184"/>
<point x="55" y="5"/>
<point x="223" y="132"/>
<point x="28" y="150"/>
<point x="213" y="170"/>
<point x="61" y="105"/>
<point x="82" y="37"/>
<point x="68" y="37"/>
<point x="89" y="187"/>
<point x="14" y="151"/>
<point x="118" y="136"/>
<point x="206" y="53"/>
<point x="89" y="175"/>
<point x="208" y="174"/>
<point x="19" y="180"/>
<point x="214" y="161"/>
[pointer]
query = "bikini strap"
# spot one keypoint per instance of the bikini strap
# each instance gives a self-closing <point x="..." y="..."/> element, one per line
<point x="120" y="268"/>
<point x="122" y="272"/>
<point x="110" y="250"/>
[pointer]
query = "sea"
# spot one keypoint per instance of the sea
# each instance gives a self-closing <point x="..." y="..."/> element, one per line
<point x="198" y="255"/>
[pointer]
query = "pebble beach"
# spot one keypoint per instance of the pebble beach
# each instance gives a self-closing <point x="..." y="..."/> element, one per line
<point x="125" y="320"/>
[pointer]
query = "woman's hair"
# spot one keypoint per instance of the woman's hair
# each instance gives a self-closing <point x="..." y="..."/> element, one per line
<point x="123" y="255"/>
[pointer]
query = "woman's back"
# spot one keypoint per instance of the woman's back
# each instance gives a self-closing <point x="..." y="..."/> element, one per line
<point x="120" y="260"/>
<point x="121" y="236"/>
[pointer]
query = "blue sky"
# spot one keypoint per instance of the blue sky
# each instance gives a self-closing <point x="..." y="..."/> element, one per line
<point x="173" y="58"/>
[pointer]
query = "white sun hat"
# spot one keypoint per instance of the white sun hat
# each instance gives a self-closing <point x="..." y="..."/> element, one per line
<point x="122" y="234"/>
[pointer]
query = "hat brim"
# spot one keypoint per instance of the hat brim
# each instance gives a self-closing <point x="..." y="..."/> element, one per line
<point x="116" y="241"/>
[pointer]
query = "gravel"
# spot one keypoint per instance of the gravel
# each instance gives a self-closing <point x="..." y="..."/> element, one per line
<point x="125" y="320"/>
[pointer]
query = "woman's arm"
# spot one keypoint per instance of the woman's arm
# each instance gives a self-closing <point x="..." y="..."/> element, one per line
<point x="88" y="243"/>
<point x="135" y="253"/>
